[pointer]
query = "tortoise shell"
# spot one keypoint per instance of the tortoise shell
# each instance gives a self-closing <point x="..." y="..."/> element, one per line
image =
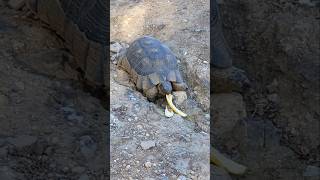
<point x="152" y="66"/>
<point x="148" y="57"/>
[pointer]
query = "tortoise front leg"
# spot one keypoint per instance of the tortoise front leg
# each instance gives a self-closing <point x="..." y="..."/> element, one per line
<point x="152" y="93"/>
<point x="179" y="86"/>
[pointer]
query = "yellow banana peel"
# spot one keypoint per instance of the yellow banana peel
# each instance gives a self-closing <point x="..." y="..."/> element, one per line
<point x="173" y="107"/>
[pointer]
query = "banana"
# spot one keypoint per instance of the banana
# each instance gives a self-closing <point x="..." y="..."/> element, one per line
<point x="173" y="107"/>
<point x="232" y="167"/>
<point x="168" y="112"/>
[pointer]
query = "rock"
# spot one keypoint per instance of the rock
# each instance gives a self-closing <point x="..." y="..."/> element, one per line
<point x="182" y="165"/>
<point x="22" y="141"/>
<point x="115" y="47"/>
<point x="84" y="177"/>
<point x="6" y="173"/>
<point x="148" y="164"/>
<point x="273" y="98"/>
<point x="219" y="173"/>
<point x="311" y="171"/>
<point x="75" y="117"/>
<point x="182" y="178"/>
<point x="3" y="100"/>
<point x="123" y="78"/>
<point x="78" y="169"/>
<point x="228" y="109"/>
<point x="147" y="144"/>
<point x="20" y="85"/>
<point x="229" y="80"/>
<point x="68" y="109"/>
<point x="87" y="146"/>
<point x="3" y="151"/>
<point x="16" y="4"/>
<point x="179" y="97"/>
<point x="272" y="87"/>
<point x="311" y="3"/>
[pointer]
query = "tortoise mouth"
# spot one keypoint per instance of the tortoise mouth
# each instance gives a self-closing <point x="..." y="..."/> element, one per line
<point x="165" y="88"/>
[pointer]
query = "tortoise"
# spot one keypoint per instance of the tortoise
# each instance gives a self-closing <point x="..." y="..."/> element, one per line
<point x="152" y="67"/>
<point x="83" y="26"/>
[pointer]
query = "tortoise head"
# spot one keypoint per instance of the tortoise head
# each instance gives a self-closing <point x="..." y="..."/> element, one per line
<point x="165" y="87"/>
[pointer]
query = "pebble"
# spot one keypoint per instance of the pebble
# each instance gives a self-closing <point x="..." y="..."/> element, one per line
<point x="148" y="164"/>
<point x="179" y="97"/>
<point x="78" y="169"/>
<point x="3" y="100"/>
<point x="75" y="117"/>
<point x="182" y="165"/>
<point x="20" y="85"/>
<point x="84" y="177"/>
<point x="16" y="4"/>
<point x="273" y="98"/>
<point x="3" y="151"/>
<point x="6" y="173"/>
<point x="68" y="109"/>
<point x="115" y="47"/>
<point x="182" y="178"/>
<point x="65" y="169"/>
<point x="22" y="141"/>
<point x="311" y="171"/>
<point x="272" y="87"/>
<point x="87" y="146"/>
<point x="147" y="144"/>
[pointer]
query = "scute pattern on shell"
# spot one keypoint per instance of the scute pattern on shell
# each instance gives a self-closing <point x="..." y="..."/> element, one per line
<point x="148" y="55"/>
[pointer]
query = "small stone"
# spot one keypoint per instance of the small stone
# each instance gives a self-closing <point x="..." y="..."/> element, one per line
<point x="205" y="62"/>
<point x="128" y="167"/>
<point x="68" y="109"/>
<point x="273" y="98"/>
<point x="75" y="117"/>
<point x="88" y="146"/>
<point x="84" y="177"/>
<point x="52" y="165"/>
<point x="148" y="164"/>
<point x="78" y="169"/>
<point x="16" y="4"/>
<point x="219" y="173"/>
<point x="65" y="169"/>
<point x="179" y="97"/>
<point x="20" y="85"/>
<point x="182" y="165"/>
<point x="147" y="144"/>
<point x="273" y="86"/>
<point x="3" y="151"/>
<point x="182" y="178"/>
<point x="6" y="173"/>
<point x="115" y="47"/>
<point x="22" y="141"/>
<point x="54" y="140"/>
<point x="311" y="171"/>
<point x="3" y="100"/>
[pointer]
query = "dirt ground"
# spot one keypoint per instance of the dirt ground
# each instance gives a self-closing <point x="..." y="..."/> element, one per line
<point x="277" y="44"/>
<point x="50" y="127"/>
<point x="144" y="143"/>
